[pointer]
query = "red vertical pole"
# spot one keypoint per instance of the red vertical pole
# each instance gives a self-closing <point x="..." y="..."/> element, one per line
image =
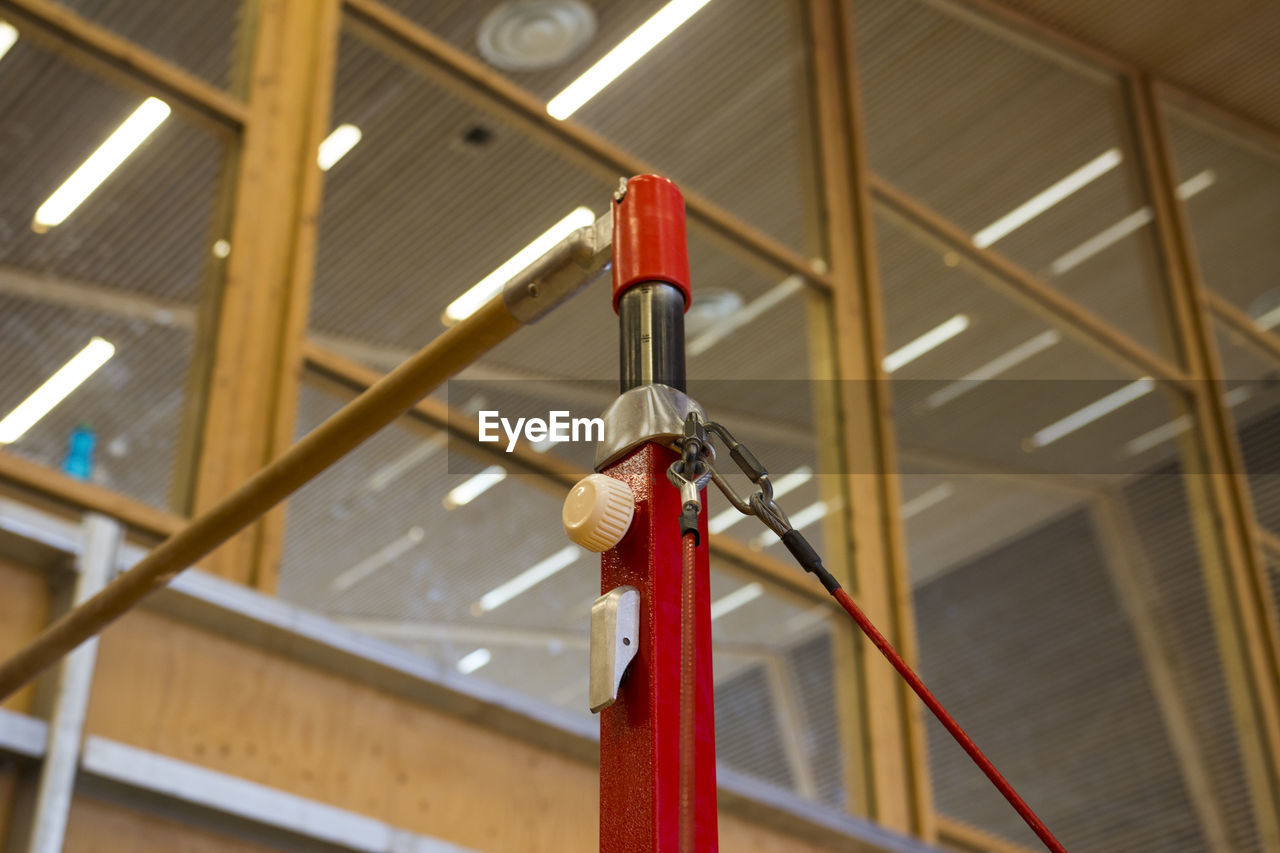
<point x="640" y="733"/>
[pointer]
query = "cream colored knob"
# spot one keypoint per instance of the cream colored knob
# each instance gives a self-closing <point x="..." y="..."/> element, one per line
<point x="598" y="511"/>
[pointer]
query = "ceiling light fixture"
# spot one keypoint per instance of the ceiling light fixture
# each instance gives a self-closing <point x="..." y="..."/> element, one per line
<point x="1090" y="413"/>
<point x="628" y="52"/>
<point x="472" y="661"/>
<point x="725" y="519"/>
<point x="55" y="389"/>
<point x="1179" y="425"/>
<point x="927" y="500"/>
<point x="468" y="303"/>
<point x="1131" y="223"/>
<point x="998" y="365"/>
<point x="930" y="340"/>
<point x="1047" y="198"/>
<point x="383" y="556"/>
<point x="527" y="579"/>
<point x="8" y="37"/>
<point x="101" y="163"/>
<point x="337" y="145"/>
<point x="768" y="300"/>
<point x="1269" y="320"/>
<point x="474" y="487"/>
<point x="734" y="600"/>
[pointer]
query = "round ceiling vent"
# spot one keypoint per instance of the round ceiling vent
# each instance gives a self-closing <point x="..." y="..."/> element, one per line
<point x="530" y="35"/>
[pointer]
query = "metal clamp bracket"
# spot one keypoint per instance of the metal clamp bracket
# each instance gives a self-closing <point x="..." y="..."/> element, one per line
<point x="645" y="413"/>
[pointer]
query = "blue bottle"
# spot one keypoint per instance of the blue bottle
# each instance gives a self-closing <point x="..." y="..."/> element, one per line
<point x="79" y="461"/>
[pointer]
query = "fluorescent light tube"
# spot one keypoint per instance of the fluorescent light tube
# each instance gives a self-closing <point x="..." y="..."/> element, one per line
<point x="735" y="599"/>
<point x="998" y="365"/>
<point x="1114" y="234"/>
<point x="1047" y="198"/>
<point x="1268" y="320"/>
<point x="370" y="564"/>
<point x="474" y="487"/>
<point x="1090" y="413"/>
<point x="55" y="389"/>
<point x="472" y="661"/>
<point x="1179" y="425"/>
<point x="529" y="578"/>
<point x="725" y="519"/>
<point x="628" y="52"/>
<point x="8" y="37"/>
<point x="337" y="144"/>
<point x="101" y="163"/>
<point x="930" y="340"/>
<point x="768" y="300"/>
<point x="927" y="500"/>
<point x="468" y="303"/>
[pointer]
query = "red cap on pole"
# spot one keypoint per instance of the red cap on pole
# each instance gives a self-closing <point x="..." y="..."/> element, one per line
<point x="649" y="242"/>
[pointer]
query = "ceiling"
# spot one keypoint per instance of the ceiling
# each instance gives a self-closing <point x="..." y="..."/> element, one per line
<point x="966" y="119"/>
<point x="1223" y="51"/>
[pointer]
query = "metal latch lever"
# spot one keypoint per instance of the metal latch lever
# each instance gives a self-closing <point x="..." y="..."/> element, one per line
<point x="615" y="639"/>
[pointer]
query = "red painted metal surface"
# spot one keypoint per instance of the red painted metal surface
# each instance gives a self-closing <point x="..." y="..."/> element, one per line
<point x="640" y="733"/>
<point x="649" y="241"/>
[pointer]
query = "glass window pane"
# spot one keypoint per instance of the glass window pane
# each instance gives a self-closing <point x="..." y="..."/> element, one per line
<point x="1029" y="155"/>
<point x="1233" y="222"/>
<point x="130" y="264"/>
<point x="1058" y="581"/>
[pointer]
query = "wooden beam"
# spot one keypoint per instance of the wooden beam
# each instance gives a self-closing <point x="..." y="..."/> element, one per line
<point x="247" y="419"/>
<point x="1271" y="543"/>
<point x="1058" y="308"/>
<point x="553" y="473"/>
<point x="1264" y="341"/>
<point x="1232" y="564"/>
<point x="892" y="782"/>
<point x="957" y="835"/>
<point x="57" y="28"/>
<point x="31" y="477"/>
<point x="471" y="78"/>
<point x="1136" y="586"/>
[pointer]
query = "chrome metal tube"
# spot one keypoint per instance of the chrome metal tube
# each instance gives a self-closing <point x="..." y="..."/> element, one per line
<point x="651" y="320"/>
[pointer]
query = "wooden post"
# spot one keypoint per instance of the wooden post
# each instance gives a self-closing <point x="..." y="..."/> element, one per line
<point x="248" y="410"/>
<point x="886" y="773"/>
<point x="1232" y="563"/>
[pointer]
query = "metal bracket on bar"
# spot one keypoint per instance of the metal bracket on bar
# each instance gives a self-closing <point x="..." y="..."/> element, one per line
<point x="615" y="639"/>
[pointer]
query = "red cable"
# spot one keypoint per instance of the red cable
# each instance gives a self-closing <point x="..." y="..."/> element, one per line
<point x="688" y="697"/>
<point x="966" y="743"/>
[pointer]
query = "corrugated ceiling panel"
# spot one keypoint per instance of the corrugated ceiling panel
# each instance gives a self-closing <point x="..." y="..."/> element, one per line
<point x="1224" y="50"/>
<point x="203" y="38"/>
<point x="721" y="105"/>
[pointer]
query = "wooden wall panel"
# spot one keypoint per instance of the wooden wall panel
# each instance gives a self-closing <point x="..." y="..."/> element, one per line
<point x="184" y="692"/>
<point x="96" y="826"/>
<point x="24" y="610"/>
